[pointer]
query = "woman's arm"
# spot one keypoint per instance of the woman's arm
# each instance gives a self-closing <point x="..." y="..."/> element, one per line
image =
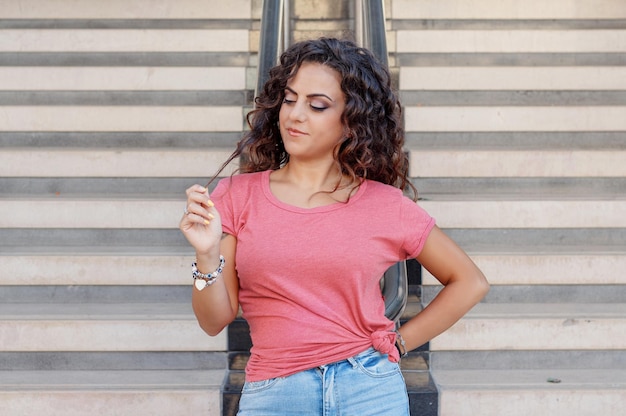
<point x="464" y="286"/>
<point x="216" y="305"/>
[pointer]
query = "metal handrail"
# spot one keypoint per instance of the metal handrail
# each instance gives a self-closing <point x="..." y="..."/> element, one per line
<point x="274" y="37"/>
<point x="369" y="23"/>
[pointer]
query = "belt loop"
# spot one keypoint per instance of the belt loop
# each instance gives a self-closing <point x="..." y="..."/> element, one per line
<point x="352" y="362"/>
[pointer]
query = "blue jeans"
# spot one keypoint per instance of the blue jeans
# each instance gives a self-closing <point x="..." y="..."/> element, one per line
<point x="367" y="384"/>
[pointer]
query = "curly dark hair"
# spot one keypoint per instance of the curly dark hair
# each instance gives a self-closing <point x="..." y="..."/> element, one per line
<point x="373" y="146"/>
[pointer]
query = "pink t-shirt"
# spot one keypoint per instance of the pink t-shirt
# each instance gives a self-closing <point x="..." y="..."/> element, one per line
<point x="309" y="278"/>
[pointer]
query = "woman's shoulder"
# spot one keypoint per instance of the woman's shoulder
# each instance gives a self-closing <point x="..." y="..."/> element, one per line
<point x="379" y="189"/>
<point x="239" y="180"/>
<point x="241" y="185"/>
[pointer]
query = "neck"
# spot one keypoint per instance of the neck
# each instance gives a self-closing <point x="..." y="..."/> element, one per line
<point x="317" y="177"/>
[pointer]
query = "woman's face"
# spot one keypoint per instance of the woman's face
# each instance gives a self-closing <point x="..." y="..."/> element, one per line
<point x="310" y="116"/>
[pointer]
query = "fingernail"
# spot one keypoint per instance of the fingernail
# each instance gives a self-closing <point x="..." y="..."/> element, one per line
<point x="203" y="189"/>
<point x="211" y="215"/>
<point x="207" y="222"/>
<point x="210" y="203"/>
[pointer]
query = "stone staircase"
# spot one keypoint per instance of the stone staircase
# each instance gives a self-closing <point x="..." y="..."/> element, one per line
<point x="108" y="111"/>
<point x="515" y="119"/>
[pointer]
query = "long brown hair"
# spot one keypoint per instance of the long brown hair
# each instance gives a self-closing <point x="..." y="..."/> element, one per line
<point x="373" y="145"/>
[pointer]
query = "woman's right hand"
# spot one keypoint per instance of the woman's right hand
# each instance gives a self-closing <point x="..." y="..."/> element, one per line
<point x="201" y="223"/>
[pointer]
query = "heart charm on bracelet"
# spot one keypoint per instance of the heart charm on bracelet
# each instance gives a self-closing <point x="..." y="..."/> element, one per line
<point x="200" y="284"/>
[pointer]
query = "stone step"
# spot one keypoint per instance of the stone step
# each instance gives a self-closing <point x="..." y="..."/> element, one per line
<point x="204" y="141"/>
<point x="103" y="327"/>
<point x="429" y="189"/>
<point x="537" y="326"/>
<point x="531" y="392"/>
<point x="121" y="78"/>
<point x="161" y="162"/>
<point x="512" y="78"/>
<point x="433" y="163"/>
<point x="545" y="292"/>
<point x="513" y="98"/>
<point x="70" y="266"/>
<point x="116" y="361"/>
<point x="100" y="292"/>
<point x="538" y="141"/>
<point x="155" y="163"/>
<point x="124" y="40"/>
<point x="119" y="9"/>
<point x="517" y="163"/>
<point x="528" y="360"/>
<point x="80" y="241"/>
<point x="527" y="214"/>
<point x="109" y="59"/>
<point x="538" y="267"/>
<point x="514" y="118"/>
<point x="509" y="58"/>
<point x="213" y="98"/>
<point x="506" y="9"/>
<point x="110" y="392"/>
<point x="98" y="212"/>
<point x="97" y="268"/>
<point x="100" y="241"/>
<point x="171" y="267"/>
<point x="143" y="118"/>
<point x="510" y="41"/>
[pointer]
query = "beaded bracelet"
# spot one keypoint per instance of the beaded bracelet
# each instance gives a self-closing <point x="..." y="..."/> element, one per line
<point x="202" y="280"/>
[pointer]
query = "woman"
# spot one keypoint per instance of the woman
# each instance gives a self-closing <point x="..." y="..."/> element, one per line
<point x="301" y="236"/>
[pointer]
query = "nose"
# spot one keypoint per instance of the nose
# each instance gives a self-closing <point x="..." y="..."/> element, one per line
<point x="297" y="111"/>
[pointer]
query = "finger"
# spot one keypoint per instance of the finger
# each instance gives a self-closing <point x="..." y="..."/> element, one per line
<point x="201" y="198"/>
<point x="201" y="205"/>
<point x="197" y="189"/>
<point x="198" y="210"/>
<point x="199" y="219"/>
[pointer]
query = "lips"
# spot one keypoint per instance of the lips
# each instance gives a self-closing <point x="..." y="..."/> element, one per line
<point x="295" y="132"/>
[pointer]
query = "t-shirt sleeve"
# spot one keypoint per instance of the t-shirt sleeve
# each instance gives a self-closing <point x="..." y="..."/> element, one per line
<point x="222" y="198"/>
<point x="417" y="224"/>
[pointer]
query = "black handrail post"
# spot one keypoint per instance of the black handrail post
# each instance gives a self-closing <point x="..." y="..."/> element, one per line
<point x="377" y="39"/>
<point x="271" y="42"/>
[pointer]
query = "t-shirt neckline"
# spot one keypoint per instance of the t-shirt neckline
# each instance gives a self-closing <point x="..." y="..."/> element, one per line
<point x="265" y="183"/>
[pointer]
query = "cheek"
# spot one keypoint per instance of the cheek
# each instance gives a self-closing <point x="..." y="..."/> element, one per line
<point x="338" y="128"/>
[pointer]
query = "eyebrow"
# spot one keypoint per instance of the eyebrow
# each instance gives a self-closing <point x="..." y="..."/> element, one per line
<point x="311" y="95"/>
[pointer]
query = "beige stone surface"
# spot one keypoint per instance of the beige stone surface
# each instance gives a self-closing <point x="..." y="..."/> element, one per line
<point x="96" y="269"/>
<point x="123" y="40"/>
<point x="527" y="214"/>
<point x="508" y="9"/>
<point x="510" y="41"/>
<point x="521" y="118"/>
<point x="548" y="269"/>
<point x="114" y="163"/>
<point x="537" y="327"/>
<point x="142" y="401"/>
<point x="527" y="392"/>
<point x="121" y="78"/>
<point x="513" y="78"/>
<point x="125" y="9"/>
<point x="517" y="163"/>
<point x="104" y="327"/>
<point x="121" y="118"/>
